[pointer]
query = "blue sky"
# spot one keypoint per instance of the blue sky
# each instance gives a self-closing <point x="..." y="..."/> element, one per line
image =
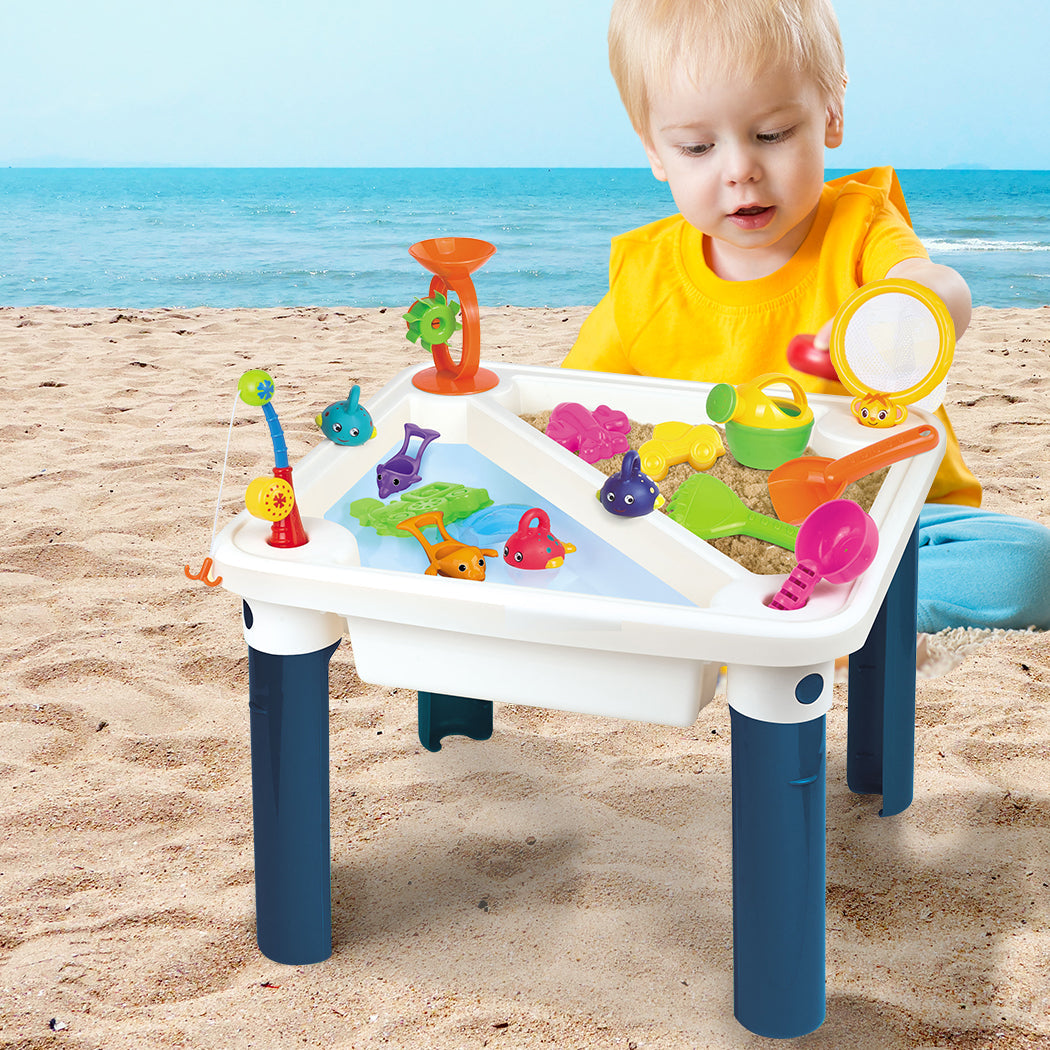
<point x="934" y="83"/>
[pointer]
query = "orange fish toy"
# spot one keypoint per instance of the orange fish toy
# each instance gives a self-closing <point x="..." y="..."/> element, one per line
<point x="449" y="557"/>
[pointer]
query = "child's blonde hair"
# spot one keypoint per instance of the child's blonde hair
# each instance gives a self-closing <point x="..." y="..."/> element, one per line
<point x="649" y="39"/>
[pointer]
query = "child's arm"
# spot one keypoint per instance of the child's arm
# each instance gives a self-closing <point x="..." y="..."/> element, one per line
<point x="943" y="281"/>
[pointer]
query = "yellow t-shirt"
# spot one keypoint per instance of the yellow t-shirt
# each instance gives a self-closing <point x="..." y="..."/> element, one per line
<point x="668" y="314"/>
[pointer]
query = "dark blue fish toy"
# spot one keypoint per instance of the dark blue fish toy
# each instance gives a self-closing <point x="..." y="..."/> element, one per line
<point x="630" y="493"/>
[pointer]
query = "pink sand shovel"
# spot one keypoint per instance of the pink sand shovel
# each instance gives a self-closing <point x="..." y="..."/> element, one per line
<point x="837" y="542"/>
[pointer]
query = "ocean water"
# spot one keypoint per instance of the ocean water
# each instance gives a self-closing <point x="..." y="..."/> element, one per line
<point x="151" y="237"/>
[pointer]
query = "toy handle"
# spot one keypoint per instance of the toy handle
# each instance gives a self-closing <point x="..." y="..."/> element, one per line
<point x="470" y="356"/>
<point x="883" y="453"/>
<point x="538" y="515"/>
<point x="803" y="356"/>
<point x="797" y="588"/>
<point x="798" y="395"/>
<point x="772" y="530"/>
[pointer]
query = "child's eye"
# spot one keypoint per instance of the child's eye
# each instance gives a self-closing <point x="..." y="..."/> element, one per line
<point x="772" y="137"/>
<point x="695" y="149"/>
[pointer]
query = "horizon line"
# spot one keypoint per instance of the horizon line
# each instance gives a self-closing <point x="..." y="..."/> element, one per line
<point x="95" y="166"/>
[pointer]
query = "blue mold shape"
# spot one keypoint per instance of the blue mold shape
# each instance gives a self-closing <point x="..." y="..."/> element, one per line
<point x="491" y="526"/>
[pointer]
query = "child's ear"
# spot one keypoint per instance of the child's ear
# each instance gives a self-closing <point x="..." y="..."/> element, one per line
<point x="833" y="132"/>
<point x="654" y="159"/>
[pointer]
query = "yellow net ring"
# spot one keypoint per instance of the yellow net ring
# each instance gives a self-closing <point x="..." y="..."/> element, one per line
<point x="907" y="388"/>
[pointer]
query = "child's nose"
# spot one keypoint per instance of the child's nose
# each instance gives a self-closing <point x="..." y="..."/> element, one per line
<point x="741" y="166"/>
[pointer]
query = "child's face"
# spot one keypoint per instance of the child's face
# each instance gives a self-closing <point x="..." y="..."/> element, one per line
<point x="745" y="162"/>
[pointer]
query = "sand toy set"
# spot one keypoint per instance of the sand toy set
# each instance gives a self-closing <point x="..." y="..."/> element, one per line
<point x="474" y="559"/>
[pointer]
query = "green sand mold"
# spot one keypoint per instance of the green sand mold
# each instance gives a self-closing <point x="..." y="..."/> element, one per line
<point x="455" y="501"/>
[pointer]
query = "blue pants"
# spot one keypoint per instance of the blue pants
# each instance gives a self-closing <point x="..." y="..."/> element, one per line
<point x="981" y="569"/>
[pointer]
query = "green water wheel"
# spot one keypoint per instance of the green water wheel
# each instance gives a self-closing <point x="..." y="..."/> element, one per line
<point x="432" y="321"/>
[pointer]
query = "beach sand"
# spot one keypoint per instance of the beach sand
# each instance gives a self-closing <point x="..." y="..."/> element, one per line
<point x="566" y="883"/>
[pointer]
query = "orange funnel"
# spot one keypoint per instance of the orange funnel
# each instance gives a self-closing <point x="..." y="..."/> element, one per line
<point x="452" y="257"/>
<point x="452" y="260"/>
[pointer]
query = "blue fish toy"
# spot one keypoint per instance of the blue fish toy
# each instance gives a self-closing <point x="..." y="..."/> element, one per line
<point x="347" y="422"/>
<point x="402" y="470"/>
<point x="630" y="493"/>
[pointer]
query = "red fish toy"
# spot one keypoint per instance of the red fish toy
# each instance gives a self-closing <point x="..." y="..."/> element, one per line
<point x="534" y="546"/>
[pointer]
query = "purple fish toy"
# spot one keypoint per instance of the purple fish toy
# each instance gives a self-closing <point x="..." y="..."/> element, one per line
<point x="401" y="470"/>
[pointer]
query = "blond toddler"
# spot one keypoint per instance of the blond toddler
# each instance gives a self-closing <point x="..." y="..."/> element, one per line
<point x="734" y="104"/>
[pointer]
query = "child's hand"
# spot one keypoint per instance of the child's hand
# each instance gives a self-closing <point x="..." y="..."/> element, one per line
<point x="822" y="340"/>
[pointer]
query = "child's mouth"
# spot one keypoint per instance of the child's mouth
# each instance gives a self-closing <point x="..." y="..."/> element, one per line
<point x="753" y="217"/>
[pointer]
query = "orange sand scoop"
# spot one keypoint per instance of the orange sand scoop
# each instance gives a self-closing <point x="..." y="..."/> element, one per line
<point x="801" y="485"/>
<point x="449" y="557"/>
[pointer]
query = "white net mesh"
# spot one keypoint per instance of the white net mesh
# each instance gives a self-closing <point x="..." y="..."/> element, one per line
<point x="892" y="342"/>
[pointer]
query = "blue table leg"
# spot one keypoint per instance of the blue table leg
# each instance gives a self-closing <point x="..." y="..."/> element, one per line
<point x="288" y="705"/>
<point x="779" y="847"/>
<point x="880" y="743"/>
<point x="442" y="715"/>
